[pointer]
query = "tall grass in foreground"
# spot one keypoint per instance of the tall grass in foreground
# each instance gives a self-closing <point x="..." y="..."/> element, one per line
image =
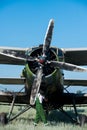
<point x="60" y="126"/>
<point x="56" y="119"/>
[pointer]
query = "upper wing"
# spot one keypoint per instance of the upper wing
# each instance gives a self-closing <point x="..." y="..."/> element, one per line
<point x="76" y="56"/>
<point x="12" y="55"/>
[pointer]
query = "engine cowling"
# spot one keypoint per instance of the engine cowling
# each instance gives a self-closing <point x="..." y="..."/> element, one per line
<point x="37" y="53"/>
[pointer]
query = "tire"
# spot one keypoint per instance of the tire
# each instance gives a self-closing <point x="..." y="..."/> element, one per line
<point x="3" y="118"/>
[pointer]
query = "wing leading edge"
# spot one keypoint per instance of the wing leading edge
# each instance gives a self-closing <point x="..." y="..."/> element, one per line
<point x="16" y="81"/>
<point x="75" y="82"/>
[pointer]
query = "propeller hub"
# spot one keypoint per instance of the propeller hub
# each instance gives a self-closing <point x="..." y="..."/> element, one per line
<point x="42" y="59"/>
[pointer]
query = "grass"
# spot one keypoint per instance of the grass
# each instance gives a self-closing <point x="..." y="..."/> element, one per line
<point x="57" y="120"/>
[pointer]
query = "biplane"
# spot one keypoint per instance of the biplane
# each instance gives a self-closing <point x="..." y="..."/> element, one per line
<point x="43" y="70"/>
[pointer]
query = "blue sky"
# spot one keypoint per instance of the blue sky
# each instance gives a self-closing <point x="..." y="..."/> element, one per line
<point x="23" y="23"/>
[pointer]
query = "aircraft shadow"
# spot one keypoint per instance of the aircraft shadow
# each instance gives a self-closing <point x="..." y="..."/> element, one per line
<point x="55" y="116"/>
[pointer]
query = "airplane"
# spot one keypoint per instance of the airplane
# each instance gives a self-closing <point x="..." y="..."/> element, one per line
<point x="43" y="70"/>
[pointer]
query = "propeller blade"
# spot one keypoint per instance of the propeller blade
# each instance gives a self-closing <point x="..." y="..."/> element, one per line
<point x="36" y="85"/>
<point x="67" y="66"/>
<point x="13" y="57"/>
<point x="48" y="37"/>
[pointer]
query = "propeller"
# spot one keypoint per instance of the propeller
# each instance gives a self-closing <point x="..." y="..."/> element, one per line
<point x="66" y="66"/>
<point x="41" y="60"/>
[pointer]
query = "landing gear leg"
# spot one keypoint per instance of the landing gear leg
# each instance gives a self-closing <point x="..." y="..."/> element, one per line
<point x="77" y="117"/>
<point x="74" y="105"/>
<point x="12" y="106"/>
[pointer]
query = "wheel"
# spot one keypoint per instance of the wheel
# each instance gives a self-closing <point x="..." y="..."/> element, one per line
<point x="3" y="118"/>
<point x="82" y="119"/>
